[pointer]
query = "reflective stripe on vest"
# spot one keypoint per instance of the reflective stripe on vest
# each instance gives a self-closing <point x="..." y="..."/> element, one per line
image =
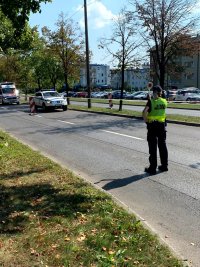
<point x="157" y="113"/>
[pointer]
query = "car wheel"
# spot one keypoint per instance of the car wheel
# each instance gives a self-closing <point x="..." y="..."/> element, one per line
<point x="188" y="99"/>
<point x="64" y="108"/>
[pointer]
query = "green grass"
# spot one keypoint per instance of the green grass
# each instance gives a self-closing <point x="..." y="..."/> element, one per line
<point x="50" y="217"/>
<point x="172" y="117"/>
<point x="183" y="105"/>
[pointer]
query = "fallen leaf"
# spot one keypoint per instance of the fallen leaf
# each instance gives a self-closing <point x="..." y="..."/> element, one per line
<point x="67" y="238"/>
<point x="57" y="256"/>
<point x="81" y="237"/>
<point x="54" y="246"/>
<point x="110" y="252"/>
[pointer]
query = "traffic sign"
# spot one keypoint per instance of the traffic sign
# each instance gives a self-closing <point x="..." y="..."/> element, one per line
<point x="149" y="85"/>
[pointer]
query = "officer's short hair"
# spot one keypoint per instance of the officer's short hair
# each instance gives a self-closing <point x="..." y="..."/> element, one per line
<point x="157" y="89"/>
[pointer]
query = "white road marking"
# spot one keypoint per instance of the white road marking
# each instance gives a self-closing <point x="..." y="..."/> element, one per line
<point x="129" y="136"/>
<point x="67" y="122"/>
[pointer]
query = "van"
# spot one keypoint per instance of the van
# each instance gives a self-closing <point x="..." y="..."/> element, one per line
<point x="9" y="94"/>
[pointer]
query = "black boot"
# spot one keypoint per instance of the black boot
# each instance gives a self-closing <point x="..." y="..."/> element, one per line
<point x="150" y="170"/>
<point x="163" y="168"/>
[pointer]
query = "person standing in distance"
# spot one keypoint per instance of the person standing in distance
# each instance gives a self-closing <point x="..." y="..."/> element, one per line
<point x="155" y="117"/>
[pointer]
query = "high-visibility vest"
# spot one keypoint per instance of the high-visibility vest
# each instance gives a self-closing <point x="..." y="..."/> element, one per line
<point x="157" y="112"/>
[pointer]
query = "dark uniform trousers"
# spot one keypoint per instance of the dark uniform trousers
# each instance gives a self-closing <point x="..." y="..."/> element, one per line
<point x="156" y="136"/>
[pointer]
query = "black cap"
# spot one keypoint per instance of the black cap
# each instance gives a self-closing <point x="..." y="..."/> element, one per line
<point x="157" y="88"/>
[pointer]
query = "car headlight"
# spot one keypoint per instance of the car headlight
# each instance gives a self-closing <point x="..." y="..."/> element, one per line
<point x="48" y="102"/>
<point x="4" y="97"/>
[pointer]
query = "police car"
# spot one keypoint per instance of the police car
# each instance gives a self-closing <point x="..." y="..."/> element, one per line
<point x="50" y="100"/>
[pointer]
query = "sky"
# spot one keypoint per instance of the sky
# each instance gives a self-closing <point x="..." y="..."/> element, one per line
<point x="100" y="16"/>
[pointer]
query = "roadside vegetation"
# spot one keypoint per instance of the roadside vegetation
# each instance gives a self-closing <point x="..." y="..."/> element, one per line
<point x="171" y="117"/>
<point x="50" y="217"/>
<point x="183" y="105"/>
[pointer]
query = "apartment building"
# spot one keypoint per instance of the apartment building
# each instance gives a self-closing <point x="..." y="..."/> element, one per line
<point x="99" y="75"/>
<point x="190" y="65"/>
<point x="190" y="77"/>
<point x="134" y="79"/>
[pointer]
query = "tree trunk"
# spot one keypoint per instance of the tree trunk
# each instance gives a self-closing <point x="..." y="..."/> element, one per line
<point x="67" y="89"/>
<point x="122" y="87"/>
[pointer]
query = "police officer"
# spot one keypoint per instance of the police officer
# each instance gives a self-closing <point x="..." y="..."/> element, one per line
<point x="155" y="118"/>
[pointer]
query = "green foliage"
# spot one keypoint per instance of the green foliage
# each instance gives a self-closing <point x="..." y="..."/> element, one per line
<point x="66" y="43"/>
<point x="18" y="12"/>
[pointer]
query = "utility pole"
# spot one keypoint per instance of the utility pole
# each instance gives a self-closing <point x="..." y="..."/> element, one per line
<point x="198" y="62"/>
<point x="87" y="55"/>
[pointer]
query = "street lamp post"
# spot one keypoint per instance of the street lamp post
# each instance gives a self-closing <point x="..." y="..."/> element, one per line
<point x="87" y="55"/>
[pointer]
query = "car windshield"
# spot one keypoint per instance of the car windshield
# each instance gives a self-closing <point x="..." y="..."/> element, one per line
<point x="8" y="90"/>
<point x="51" y="94"/>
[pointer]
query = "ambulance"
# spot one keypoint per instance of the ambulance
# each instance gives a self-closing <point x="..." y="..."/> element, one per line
<point x="9" y="94"/>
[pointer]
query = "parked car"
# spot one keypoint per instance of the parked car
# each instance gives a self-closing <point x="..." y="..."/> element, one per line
<point x="82" y="94"/>
<point x="101" y="94"/>
<point x="135" y="94"/>
<point x="117" y="94"/>
<point x="186" y="94"/>
<point x="171" y="95"/>
<point x="194" y="97"/>
<point x="49" y="100"/>
<point x="70" y="94"/>
<point x="142" y="96"/>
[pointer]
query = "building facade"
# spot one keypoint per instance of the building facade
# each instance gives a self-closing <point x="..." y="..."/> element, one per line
<point x="190" y="77"/>
<point x="99" y="75"/>
<point x="186" y="71"/>
<point x="134" y="79"/>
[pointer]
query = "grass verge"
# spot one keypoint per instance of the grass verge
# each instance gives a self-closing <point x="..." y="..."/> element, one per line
<point x="177" y="105"/>
<point x="49" y="217"/>
<point x="181" y="118"/>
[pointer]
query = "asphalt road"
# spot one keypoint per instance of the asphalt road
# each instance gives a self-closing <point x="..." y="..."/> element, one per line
<point x="111" y="152"/>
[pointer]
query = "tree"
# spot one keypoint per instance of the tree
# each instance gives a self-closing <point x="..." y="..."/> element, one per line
<point x="165" y="27"/>
<point x="67" y="43"/>
<point x="124" y="38"/>
<point x="18" y="12"/>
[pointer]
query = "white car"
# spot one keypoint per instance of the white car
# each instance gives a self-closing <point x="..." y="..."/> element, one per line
<point x="50" y="100"/>
<point x="186" y="94"/>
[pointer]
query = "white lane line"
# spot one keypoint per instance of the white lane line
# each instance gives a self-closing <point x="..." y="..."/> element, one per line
<point x="130" y="136"/>
<point x="67" y="122"/>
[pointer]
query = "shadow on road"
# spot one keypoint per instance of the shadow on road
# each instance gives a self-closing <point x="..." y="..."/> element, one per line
<point x="116" y="183"/>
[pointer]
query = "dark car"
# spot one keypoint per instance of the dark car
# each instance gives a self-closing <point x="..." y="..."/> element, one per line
<point x="117" y="94"/>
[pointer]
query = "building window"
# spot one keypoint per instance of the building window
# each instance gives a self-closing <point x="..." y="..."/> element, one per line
<point x="189" y="76"/>
<point x="189" y="64"/>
